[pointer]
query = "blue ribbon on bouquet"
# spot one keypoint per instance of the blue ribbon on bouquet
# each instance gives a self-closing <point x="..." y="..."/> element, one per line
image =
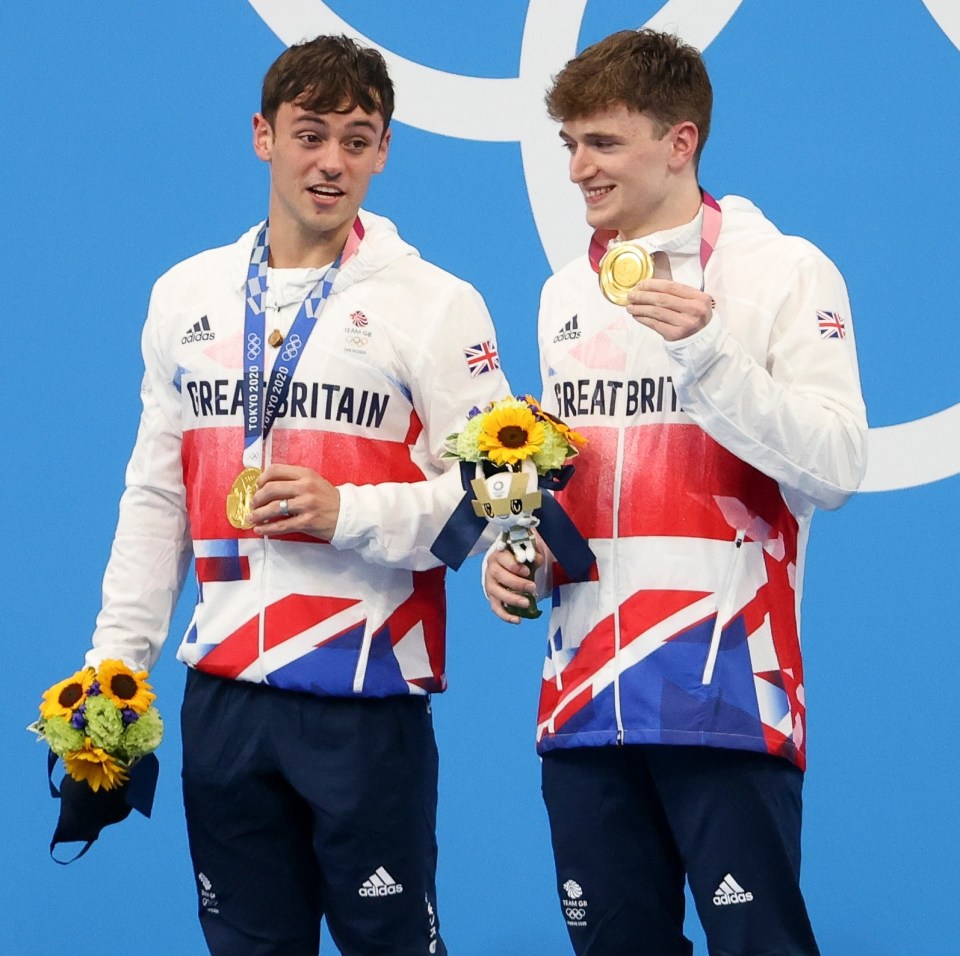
<point x="85" y="812"/>
<point x="464" y="527"/>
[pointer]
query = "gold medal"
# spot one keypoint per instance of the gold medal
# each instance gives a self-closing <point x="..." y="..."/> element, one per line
<point x="621" y="268"/>
<point x="275" y="338"/>
<point x="240" y="497"/>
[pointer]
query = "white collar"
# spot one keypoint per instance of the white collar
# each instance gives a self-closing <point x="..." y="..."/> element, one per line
<point x="677" y="240"/>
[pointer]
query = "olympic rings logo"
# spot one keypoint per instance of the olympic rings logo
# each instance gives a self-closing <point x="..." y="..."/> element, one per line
<point x="291" y="348"/>
<point x="253" y="345"/>
<point x="575" y="912"/>
<point x="356" y="340"/>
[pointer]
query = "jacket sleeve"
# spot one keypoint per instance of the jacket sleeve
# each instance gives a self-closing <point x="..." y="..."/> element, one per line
<point x="395" y="523"/>
<point x="150" y="552"/>
<point x="798" y="418"/>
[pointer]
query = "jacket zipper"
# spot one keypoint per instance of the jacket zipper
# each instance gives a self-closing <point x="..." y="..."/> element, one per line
<point x="724" y="608"/>
<point x="262" y="622"/>
<point x="615" y="564"/>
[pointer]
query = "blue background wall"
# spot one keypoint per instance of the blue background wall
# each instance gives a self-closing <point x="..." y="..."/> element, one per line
<point x="127" y="149"/>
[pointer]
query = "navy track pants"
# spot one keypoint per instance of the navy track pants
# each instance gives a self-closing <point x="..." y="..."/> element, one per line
<point x="300" y="807"/>
<point x="630" y="824"/>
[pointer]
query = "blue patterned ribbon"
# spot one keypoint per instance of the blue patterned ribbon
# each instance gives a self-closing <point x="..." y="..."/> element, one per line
<point x="260" y="405"/>
<point x="464" y="527"/>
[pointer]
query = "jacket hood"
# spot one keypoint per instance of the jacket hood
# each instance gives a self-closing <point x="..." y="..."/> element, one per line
<point x="381" y="246"/>
<point x="743" y="220"/>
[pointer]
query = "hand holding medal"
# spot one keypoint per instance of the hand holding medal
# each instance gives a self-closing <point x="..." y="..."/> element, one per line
<point x="291" y="499"/>
<point x="672" y="309"/>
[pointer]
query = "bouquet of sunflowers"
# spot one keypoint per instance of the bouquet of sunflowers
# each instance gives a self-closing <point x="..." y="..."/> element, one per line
<point x="516" y="445"/>
<point x="100" y="722"/>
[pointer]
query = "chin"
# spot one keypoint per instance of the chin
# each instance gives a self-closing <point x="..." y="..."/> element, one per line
<point x="597" y="220"/>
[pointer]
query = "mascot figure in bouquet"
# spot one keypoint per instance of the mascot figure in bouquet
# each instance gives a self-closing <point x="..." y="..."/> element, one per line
<point x="508" y="499"/>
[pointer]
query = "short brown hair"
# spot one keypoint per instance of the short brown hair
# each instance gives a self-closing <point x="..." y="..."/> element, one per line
<point x="650" y="72"/>
<point x="329" y="74"/>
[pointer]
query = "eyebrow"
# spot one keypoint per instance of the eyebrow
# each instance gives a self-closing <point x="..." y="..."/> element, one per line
<point x="318" y="120"/>
<point x="589" y="135"/>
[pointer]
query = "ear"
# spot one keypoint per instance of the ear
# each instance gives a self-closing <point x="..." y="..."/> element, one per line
<point x="685" y="137"/>
<point x="382" y="150"/>
<point x="262" y="138"/>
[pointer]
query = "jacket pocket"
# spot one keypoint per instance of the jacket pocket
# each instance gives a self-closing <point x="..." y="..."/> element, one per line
<point x="725" y="600"/>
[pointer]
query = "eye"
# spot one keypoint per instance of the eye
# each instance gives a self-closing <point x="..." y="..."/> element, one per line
<point x="488" y="509"/>
<point x="516" y="505"/>
<point x="310" y="139"/>
<point x="357" y="145"/>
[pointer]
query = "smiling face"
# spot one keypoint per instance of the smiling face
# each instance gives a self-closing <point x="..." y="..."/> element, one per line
<point x="320" y="169"/>
<point x="635" y="177"/>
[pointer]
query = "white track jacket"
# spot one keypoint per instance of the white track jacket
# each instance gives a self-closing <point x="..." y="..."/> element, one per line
<point x="390" y="370"/>
<point x="706" y="459"/>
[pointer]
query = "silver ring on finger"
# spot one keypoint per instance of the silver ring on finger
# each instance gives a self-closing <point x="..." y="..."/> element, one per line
<point x="284" y="508"/>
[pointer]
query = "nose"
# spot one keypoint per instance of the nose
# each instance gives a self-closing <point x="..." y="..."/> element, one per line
<point x="329" y="159"/>
<point x="582" y="166"/>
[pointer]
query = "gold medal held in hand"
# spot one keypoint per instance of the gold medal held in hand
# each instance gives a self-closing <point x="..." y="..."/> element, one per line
<point x="621" y="268"/>
<point x="240" y="496"/>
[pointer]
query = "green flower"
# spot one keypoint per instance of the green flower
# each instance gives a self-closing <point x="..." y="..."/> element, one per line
<point x="60" y="736"/>
<point x="104" y="723"/>
<point x="467" y="447"/>
<point x="553" y="453"/>
<point x="144" y="735"/>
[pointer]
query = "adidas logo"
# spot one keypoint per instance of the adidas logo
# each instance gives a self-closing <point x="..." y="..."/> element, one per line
<point x="199" y="332"/>
<point x="730" y="892"/>
<point x="380" y="883"/>
<point x="571" y="330"/>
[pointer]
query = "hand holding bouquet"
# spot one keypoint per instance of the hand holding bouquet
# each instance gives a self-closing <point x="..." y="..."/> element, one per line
<point x="100" y="722"/>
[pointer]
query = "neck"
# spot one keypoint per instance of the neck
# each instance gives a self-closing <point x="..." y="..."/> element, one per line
<point x="293" y="249"/>
<point x="676" y="209"/>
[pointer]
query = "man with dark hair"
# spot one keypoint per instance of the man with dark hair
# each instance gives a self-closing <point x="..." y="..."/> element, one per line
<point x="296" y="399"/>
<point x="719" y="391"/>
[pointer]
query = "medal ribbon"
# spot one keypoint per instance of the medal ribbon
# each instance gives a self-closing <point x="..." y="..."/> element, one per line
<point x="709" y="232"/>
<point x="260" y="404"/>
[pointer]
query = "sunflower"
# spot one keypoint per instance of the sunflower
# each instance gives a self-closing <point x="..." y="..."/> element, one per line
<point x="64" y="698"/>
<point x="566" y="432"/>
<point x="510" y="434"/>
<point x="95" y="766"/>
<point x="126" y="688"/>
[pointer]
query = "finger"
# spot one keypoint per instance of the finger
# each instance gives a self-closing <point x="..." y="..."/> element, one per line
<point x="656" y="318"/>
<point x="281" y="472"/>
<point x="274" y="527"/>
<point x="274" y="511"/>
<point x="503" y="613"/>
<point x="275" y="490"/>
<point x="679" y="290"/>
<point x="513" y="580"/>
<point x="507" y="560"/>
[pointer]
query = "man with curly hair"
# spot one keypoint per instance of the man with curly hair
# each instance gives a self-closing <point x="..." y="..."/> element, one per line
<point x="719" y="391"/>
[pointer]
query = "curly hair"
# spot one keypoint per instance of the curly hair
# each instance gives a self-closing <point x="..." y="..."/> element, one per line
<point x="329" y="74"/>
<point x="650" y="72"/>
